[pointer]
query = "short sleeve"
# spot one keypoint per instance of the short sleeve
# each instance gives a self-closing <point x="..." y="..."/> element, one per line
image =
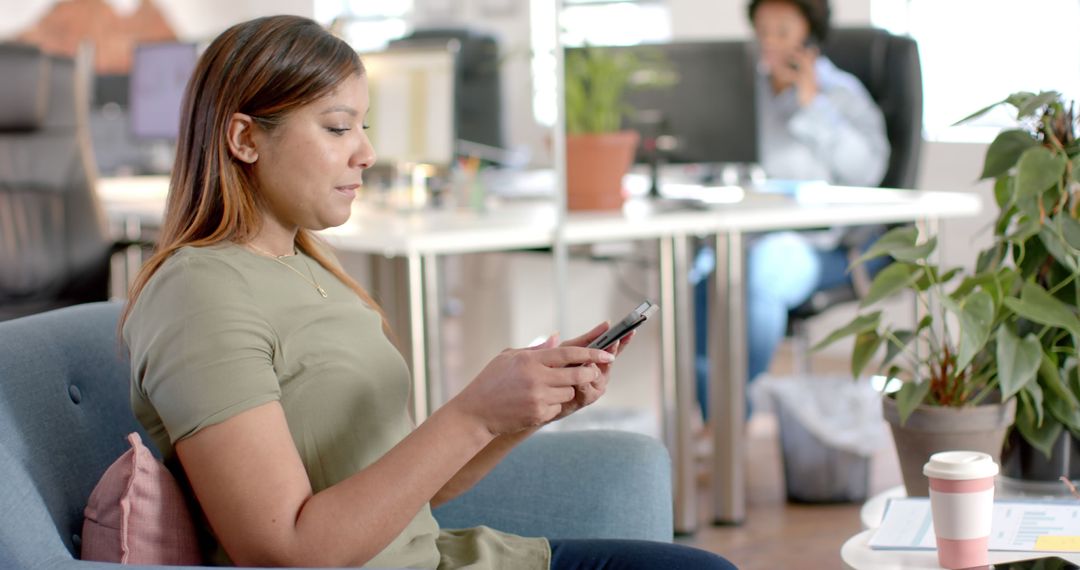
<point x="201" y="349"/>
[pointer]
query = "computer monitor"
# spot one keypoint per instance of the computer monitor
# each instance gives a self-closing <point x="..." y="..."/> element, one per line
<point x="709" y="111"/>
<point x="159" y="74"/>
<point x="411" y="107"/>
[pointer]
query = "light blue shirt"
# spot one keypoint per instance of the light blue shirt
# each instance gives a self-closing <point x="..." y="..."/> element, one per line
<point x="839" y="137"/>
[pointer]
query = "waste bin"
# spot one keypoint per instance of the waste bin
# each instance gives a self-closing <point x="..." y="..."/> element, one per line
<point x="829" y="429"/>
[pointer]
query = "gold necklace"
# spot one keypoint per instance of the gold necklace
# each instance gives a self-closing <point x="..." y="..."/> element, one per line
<point x="277" y="258"/>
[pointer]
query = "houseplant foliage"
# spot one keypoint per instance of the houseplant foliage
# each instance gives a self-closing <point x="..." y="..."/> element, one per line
<point x="1036" y="169"/>
<point x="599" y="151"/>
<point x="1010" y="330"/>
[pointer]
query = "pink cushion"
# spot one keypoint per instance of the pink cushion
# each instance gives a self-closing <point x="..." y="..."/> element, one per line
<point x="137" y="514"/>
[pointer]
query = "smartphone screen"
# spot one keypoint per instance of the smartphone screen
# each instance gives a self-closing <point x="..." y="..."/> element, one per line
<point x="639" y="315"/>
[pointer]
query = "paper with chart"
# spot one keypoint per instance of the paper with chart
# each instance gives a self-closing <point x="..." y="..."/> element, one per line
<point x="1051" y="526"/>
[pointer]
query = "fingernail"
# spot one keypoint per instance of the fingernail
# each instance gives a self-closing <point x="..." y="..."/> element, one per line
<point x="607" y="357"/>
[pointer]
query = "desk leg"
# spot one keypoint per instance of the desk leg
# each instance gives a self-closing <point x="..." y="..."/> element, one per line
<point x="677" y="377"/>
<point x="417" y="337"/>
<point x="432" y="301"/>
<point x="727" y="379"/>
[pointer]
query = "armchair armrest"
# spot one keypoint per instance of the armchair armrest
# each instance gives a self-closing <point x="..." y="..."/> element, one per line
<point x="585" y="484"/>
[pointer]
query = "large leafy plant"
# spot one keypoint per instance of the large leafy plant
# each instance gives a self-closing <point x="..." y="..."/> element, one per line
<point x="1011" y="328"/>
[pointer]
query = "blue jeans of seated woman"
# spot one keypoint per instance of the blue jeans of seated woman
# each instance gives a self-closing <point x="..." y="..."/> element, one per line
<point x="605" y="554"/>
<point x="783" y="270"/>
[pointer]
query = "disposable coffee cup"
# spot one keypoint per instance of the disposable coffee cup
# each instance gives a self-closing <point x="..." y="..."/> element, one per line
<point x="962" y="504"/>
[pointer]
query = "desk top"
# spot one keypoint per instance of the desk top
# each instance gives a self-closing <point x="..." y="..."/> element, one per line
<point x="523" y="225"/>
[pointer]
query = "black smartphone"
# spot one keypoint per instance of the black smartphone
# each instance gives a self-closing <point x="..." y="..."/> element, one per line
<point x="639" y="315"/>
<point x="808" y="43"/>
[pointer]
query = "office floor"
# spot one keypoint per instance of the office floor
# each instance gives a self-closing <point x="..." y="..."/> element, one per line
<point x="777" y="534"/>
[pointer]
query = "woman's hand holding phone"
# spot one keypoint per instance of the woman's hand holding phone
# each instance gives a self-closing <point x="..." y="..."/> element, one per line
<point x="800" y="72"/>
<point x="587" y="393"/>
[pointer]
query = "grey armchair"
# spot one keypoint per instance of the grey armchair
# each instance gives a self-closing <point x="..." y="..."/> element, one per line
<point x="64" y="413"/>
<point x="54" y="250"/>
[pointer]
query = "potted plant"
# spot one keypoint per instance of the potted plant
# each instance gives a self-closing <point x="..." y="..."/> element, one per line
<point x="1036" y="172"/>
<point x="951" y="394"/>
<point x="598" y="151"/>
<point x="1006" y="333"/>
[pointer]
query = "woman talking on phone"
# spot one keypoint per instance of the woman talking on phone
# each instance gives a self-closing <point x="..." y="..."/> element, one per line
<point x="263" y="372"/>
<point x="815" y="122"/>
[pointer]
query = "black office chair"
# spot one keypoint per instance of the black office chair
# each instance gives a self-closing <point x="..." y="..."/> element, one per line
<point x="53" y="246"/>
<point x="889" y="68"/>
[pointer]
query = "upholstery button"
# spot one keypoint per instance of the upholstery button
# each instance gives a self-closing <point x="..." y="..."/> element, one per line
<point x="75" y="394"/>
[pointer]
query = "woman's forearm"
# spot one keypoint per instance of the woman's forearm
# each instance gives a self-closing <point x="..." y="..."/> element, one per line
<point x="480" y="465"/>
<point x="351" y="522"/>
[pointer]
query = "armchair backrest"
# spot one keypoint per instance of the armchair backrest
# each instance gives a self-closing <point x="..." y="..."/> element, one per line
<point x="889" y="67"/>
<point x="64" y="413"/>
<point x="53" y="248"/>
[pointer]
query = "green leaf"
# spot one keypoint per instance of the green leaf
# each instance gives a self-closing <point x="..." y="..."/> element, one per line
<point x="1003" y="153"/>
<point x="896" y="238"/>
<point x="859" y="324"/>
<point x="1004" y="193"/>
<point x="1038" y="170"/>
<point x="978" y="113"/>
<point x="1036" y="392"/>
<point x="1033" y="104"/>
<point x="929" y="275"/>
<point x="901" y="243"/>
<point x="894" y="346"/>
<point x="1019" y="98"/>
<point x="1035" y="304"/>
<point x="1055" y="244"/>
<point x="1040" y="435"/>
<point x="1076" y="168"/>
<point x="991" y="258"/>
<point x="888" y="281"/>
<point x="1070" y="229"/>
<point x="1051" y="381"/>
<point x="1026" y="229"/>
<point x="909" y="397"/>
<point x="1018" y="361"/>
<point x="866" y="345"/>
<point x="976" y="316"/>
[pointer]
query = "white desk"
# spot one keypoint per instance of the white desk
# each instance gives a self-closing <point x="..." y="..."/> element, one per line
<point x="420" y="237"/>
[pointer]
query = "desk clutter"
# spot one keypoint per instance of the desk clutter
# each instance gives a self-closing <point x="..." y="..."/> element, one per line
<point x="1017" y="525"/>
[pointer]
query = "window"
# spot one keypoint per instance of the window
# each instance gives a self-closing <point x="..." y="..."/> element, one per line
<point x="366" y="25"/>
<point x="975" y="52"/>
<point x="597" y="22"/>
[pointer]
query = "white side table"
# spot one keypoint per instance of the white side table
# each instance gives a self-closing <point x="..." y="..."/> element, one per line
<point x="857" y="554"/>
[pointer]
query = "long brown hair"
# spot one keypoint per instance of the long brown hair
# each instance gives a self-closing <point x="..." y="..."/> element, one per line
<point x="264" y="68"/>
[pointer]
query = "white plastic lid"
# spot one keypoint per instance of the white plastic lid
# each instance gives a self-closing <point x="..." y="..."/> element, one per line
<point x="960" y="465"/>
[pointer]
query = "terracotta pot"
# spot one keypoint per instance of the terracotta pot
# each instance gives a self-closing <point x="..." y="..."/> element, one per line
<point x="595" y="165"/>
<point x="930" y="429"/>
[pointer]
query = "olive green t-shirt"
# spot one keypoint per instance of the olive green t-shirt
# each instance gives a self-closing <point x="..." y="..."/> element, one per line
<point x="219" y="330"/>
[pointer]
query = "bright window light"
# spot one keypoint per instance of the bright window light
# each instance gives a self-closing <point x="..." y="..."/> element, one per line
<point x="606" y="24"/>
<point x="975" y="52"/>
<point x="367" y="26"/>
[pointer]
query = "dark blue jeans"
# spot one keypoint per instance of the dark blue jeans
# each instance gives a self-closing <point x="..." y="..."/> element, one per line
<point x="606" y="554"/>
<point x="783" y="269"/>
